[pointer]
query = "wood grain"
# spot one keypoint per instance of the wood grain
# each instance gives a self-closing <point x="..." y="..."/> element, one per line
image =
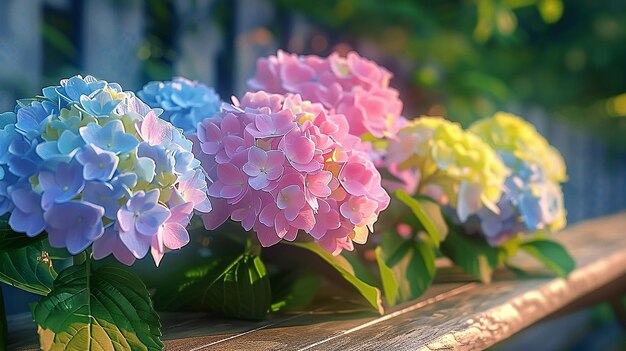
<point x="463" y="316"/>
<point x="454" y="314"/>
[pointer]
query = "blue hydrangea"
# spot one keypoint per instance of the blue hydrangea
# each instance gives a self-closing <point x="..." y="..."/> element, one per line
<point x="79" y="163"/>
<point x="532" y="199"/>
<point x="185" y="103"/>
<point x="530" y="202"/>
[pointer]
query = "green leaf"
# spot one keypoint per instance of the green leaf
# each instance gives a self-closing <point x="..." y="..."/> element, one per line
<point x="106" y="309"/>
<point x="552" y="254"/>
<point x="245" y="290"/>
<point x="371" y="294"/>
<point x="473" y="254"/>
<point x="428" y="213"/>
<point x="235" y="286"/>
<point x="407" y="267"/>
<point x="3" y="324"/>
<point x="390" y="283"/>
<point x="10" y="240"/>
<point x="28" y="268"/>
<point x="297" y="293"/>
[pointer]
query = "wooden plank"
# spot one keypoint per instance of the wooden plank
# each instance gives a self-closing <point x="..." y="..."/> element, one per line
<point x="451" y="316"/>
<point x="481" y="317"/>
<point x="464" y="317"/>
<point x="298" y="330"/>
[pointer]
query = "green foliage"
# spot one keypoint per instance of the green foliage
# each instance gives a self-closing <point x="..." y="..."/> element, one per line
<point x="295" y="292"/>
<point x="3" y="324"/>
<point x="10" y="240"/>
<point x="468" y="59"/>
<point x="28" y="268"/>
<point x="407" y="267"/>
<point x="236" y="286"/>
<point x="552" y="254"/>
<point x="428" y="213"/>
<point x="105" y="309"/>
<point x="347" y="270"/>
<point x="473" y="254"/>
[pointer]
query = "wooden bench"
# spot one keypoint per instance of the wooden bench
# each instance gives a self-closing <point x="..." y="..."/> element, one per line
<point x="453" y="314"/>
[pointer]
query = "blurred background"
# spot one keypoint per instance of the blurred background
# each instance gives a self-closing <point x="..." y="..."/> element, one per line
<point x="560" y="64"/>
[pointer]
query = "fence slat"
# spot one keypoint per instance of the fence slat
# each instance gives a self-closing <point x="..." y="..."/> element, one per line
<point x="252" y="38"/>
<point x="112" y="33"/>
<point x="198" y="41"/>
<point x="20" y="50"/>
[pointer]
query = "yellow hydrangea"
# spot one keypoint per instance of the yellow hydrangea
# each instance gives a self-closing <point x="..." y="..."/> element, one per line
<point x="456" y="167"/>
<point x="507" y="132"/>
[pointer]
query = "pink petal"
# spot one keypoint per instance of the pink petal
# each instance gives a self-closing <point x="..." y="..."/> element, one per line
<point x="230" y="125"/>
<point x="299" y="149"/>
<point x="268" y="214"/>
<point x="231" y="191"/>
<point x="259" y="182"/>
<point x="217" y="216"/>
<point x="175" y="236"/>
<point x="305" y="220"/>
<point x="267" y="235"/>
<point x="229" y="174"/>
<point x="181" y="213"/>
<point x="257" y="156"/>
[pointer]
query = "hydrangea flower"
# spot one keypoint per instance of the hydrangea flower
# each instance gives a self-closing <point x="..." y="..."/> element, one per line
<point x="353" y="86"/>
<point x="283" y="165"/>
<point x="532" y="198"/>
<point x="91" y="164"/>
<point x="454" y="167"/>
<point x="185" y="103"/>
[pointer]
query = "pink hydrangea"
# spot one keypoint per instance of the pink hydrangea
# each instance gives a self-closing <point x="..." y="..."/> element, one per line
<point x="282" y="165"/>
<point x="353" y="86"/>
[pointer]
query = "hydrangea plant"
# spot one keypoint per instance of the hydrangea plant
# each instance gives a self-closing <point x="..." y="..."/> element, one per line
<point x="90" y="164"/>
<point x="283" y="164"/>
<point x="456" y="168"/>
<point x="185" y="102"/>
<point x="353" y="86"/>
<point x="532" y="198"/>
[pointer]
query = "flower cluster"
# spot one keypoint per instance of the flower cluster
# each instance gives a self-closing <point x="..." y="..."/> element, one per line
<point x="353" y="86"/>
<point x="91" y="164"/>
<point x="532" y="198"/>
<point x="456" y="168"/>
<point x="282" y="165"/>
<point x="185" y="103"/>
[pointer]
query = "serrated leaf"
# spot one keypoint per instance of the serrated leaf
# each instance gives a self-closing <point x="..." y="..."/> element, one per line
<point x="472" y="254"/>
<point x="28" y="268"/>
<point x="107" y="309"/>
<point x="235" y="286"/>
<point x="407" y="267"/>
<point x="371" y="294"/>
<point x="552" y="254"/>
<point x="10" y="240"/>
<point x="428" y="213"/>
